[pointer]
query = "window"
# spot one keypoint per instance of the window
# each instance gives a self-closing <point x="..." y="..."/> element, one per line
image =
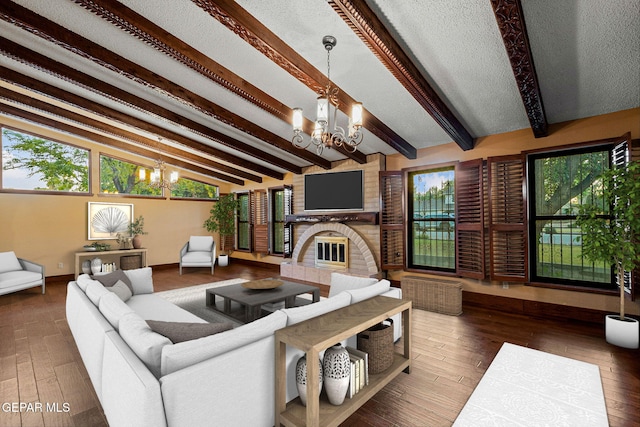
<point x="558" y="184"/>
<point x="244" y="222"/>
<point x="190" y="189"/>
<point x="122" y="177"/>
<point x="34" y="163"/>
<point x="432" y="227"/>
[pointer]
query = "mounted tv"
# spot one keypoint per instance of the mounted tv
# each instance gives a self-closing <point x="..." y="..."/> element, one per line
<point x="334" y="191"/>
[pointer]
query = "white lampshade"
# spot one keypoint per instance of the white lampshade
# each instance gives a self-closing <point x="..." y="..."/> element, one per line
<point x="297" y="119"/>
<point x="173" y="178"/>
<point x="155" y="175"/>
<point x="322" y="114"/>
<point x="142" y="174"/>
<point x="356" y="114"/>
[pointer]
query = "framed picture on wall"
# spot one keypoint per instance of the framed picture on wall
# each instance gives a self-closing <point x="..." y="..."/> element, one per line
<point x="106" y="220"/>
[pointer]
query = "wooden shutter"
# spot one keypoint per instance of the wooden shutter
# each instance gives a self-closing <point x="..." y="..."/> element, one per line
<point x="624" y="151"/>
<point x="508" y="219"/>
<point x="288" y="228"/>
<point x="635" y="276"/>
<point x="392" y="247"/>
<point x="260" y="217"/>
<point x="470" y="219"/>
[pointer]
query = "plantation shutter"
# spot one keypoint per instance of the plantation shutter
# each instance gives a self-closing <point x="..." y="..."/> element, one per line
<point x="470" y="248"/>
<point x="392" y="247"/>
<point x="260" y="217"/>
<point x="635" y="276"/>
<point x="288" y="228"/>
<point x="507" y="219"/>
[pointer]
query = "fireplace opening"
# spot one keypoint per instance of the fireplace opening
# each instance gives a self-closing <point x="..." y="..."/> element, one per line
<point x="331" y="251"/>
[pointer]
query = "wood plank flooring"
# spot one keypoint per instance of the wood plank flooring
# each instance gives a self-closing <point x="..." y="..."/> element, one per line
<point x="40" y="364"/>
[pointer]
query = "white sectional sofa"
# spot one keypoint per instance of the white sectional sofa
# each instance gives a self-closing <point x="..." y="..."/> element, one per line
<point x="143" y="379"/>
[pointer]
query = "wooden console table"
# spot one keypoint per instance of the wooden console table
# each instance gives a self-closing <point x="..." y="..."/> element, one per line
<point x="319" y="333"/>
<point x="109" y="256"/>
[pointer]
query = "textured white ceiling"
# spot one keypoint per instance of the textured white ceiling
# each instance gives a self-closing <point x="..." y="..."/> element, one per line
<point x="586" y="53"/>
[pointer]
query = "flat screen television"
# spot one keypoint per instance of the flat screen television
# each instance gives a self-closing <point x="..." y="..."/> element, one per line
<point x="334" y="191"/>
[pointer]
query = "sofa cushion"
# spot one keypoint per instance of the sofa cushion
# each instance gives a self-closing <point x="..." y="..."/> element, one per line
<point x="19" y="277"/>
<point x="145" y="343"/>
<point x="110" y="279"/>
<point x="298" y="314"/>
<point x="153" y="307"/>
<point x="113" y="309"/>
<point x="362" y="294"/>
<point x="181" y="355"/>
<point x="196" y="257"/>
<point x="343" y="282"/>
<point x="83" y="281"/>
<point x="9" y="262"/>
<point x="95" y="291"/>
<point x="141" y="280"/>
<point x="121" y="290"/>
<point x="200" y="243"/>
<point x="185" y="331"/>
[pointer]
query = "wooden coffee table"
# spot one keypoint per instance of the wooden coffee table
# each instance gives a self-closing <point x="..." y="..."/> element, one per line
<point x="253" y="299"/>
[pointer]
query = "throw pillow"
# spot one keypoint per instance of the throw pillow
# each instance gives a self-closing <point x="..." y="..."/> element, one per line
<point x="182" y="331"/>
<point x="200" y="243"/>
<point x="9" y="262"/>
<point x="121" y="290"/>
<point x="141" y="279"/>
<point x="110" y="279"/>
<point x="343" y="282"/>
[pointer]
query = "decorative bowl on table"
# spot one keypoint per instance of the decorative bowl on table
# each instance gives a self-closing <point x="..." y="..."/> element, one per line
<point x="263" y="284"/>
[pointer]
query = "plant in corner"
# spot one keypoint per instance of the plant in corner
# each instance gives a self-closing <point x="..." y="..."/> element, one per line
<point x="222" y="221"/>
<point x="136" y="229"/>
<point x="616" y="241"/>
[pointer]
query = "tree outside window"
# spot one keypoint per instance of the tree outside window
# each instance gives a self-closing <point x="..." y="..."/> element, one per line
<point x="34" y="163"/>
<point x="122" y="177"/>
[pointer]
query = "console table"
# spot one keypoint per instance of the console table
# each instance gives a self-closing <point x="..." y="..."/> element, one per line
<point x="316" y="334"/>
<point x="109" y="256"/>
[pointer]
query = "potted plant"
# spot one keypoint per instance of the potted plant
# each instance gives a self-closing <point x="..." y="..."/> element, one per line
<point x="616" y="242"/>
<point x="222" y="221"/>
<point x="136" y="229"/>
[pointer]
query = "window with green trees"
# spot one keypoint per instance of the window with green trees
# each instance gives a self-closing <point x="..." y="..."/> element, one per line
<point x="244" y="221"/>
<point x="31" y="162"/>
<point x="432" y="233"/>
<point x="560" y="183"/>
<point x="191" y="189"/>
<point x="122" y="177"/>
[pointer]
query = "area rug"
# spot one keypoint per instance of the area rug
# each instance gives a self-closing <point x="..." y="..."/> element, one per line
<point x="193" y="299"/>
<point x="526" y="387"/>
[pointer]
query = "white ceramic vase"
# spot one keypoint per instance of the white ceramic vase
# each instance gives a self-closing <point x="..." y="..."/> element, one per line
<point x="337" y="373"/>
<point x="301" y="378"/>
<point x="96" y="265"/>
<point x="86" y="267"/>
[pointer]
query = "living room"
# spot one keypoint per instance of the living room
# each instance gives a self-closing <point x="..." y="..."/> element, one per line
<point x="51" y="227"/>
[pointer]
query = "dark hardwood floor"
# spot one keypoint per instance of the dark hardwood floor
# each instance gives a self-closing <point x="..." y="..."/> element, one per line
<point x="39" y="363"/>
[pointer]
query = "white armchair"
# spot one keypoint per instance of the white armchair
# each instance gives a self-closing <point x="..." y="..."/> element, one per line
<point x="199" y="251"/>
<point x="17" y="274"/>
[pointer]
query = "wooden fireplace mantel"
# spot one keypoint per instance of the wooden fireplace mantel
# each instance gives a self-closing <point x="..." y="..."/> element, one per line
<point x="359" y="217"/>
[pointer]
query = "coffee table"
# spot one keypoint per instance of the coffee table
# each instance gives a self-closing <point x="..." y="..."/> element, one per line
<point x="253" y="299"/>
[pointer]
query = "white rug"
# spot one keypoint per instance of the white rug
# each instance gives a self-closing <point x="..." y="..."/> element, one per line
<point x="193" y="299"/>
<point x="526" y="387"/>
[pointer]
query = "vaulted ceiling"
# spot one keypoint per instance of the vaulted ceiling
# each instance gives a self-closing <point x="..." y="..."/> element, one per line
<point x="213" y="83"/>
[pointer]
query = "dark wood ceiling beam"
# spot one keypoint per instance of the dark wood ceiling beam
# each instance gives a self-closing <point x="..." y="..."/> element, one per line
<point x="364" y="22"/>
<point x="95" y="124"/>
<point x="54" y="33"/>
<point x="510" y="19"/>
<point x="161" y="40"/>
<point x="238" y="20"/>
<point x="54" y="68"/>
<point x="102" y="139"/>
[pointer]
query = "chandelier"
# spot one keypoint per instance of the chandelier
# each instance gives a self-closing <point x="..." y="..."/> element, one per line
<point x="157" y="177"/>
<point x="326" y="132"/>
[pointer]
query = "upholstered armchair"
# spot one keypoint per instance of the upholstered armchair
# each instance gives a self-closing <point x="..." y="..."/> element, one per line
<point x="17" y="274"/>
<point x="199" y="251"/>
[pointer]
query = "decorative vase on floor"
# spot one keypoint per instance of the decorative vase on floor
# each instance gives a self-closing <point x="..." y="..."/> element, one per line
<point x="301" y="378"/>
<point x="96" y="265"/>
<point x="337" y="373"/>
<point x="223" y="260"/>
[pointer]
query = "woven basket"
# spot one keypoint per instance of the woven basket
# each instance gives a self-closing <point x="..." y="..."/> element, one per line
<point x="377" y="341"/>
<point x="130" y="262"/>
